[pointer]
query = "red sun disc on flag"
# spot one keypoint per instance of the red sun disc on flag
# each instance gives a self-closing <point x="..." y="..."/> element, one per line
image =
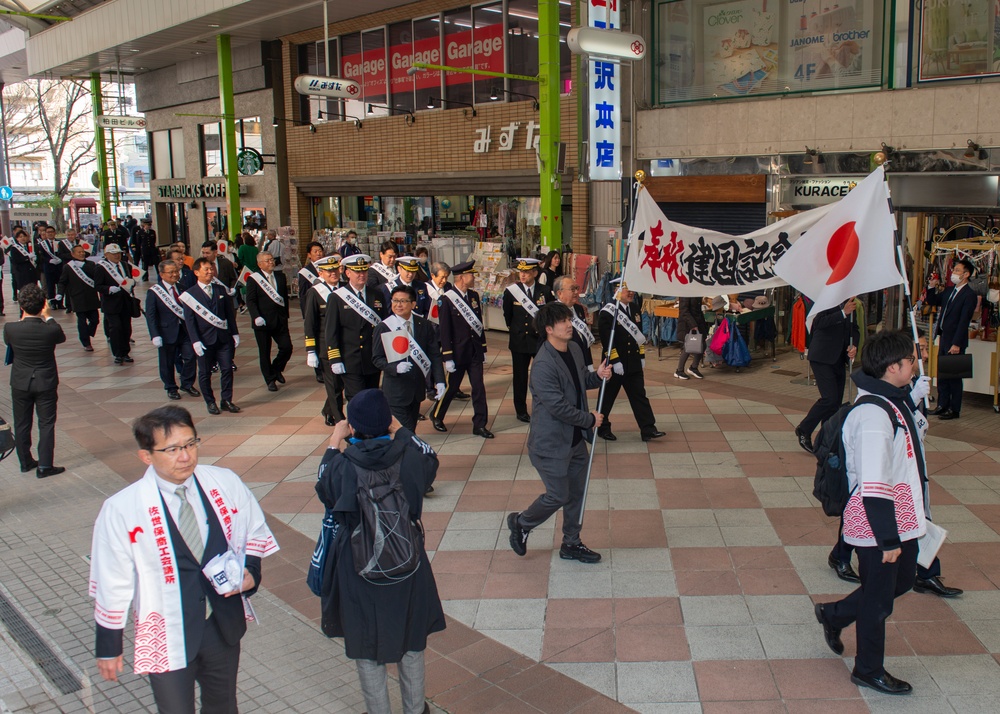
<point x="842" y="252"/>
<point x="86" y="246"/>
<point x="222" y="246"/>
<point x="401" y="345"/>
<point x="434" y="310"/>
<point x="135" y="272"/>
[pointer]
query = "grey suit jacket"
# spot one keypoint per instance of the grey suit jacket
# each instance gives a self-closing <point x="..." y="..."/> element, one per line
<point x="554" y="413"/>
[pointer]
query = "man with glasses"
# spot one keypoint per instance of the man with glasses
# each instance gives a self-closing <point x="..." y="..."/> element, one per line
<point x="314" y="304"/>
<point x="165" y="320"/>
<point x="405" y="348"/>
<point x="152" y="541"/>
<point x="267" y="300"/>
<point x="568" y="294"/>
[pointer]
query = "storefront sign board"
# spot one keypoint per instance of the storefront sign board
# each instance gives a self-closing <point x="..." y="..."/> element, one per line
<point x="604" y="95"/>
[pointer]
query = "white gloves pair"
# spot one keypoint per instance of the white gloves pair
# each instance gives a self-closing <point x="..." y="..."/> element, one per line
<point x="199" y="349"/>
<point x="338" y="368"/>
<point x="312" y="359"/>
<point x="440" y="391"/>
<point x="259" y="321"/>
<point x="55" y="261"/>
<point x="403" y="367"/>
<point x="157" y="342"/>
<point x="619" y="369"/>
<point x="114" y="289"/>
<point x="449" y="366"/>
<point x="921" y="389"/>
<point x="236" y="340"/>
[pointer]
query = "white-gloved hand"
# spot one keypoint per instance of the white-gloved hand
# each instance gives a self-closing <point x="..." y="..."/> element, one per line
<point x="59" y="298"/>
<point x="404" y="367"/>
<point x="338" y="368"/>
<point x="55" y="261"/>
<point x="619" y="369"/>
<point x="312" y="359"/>
<point x="157" y="342"/>
<point x="231" y="291"/>
<point x="259" y="321"/>
<point x="643" y="362"/>
<point x="449" y="366"/>
<point x="129" y="283"/>
<point x="114" y="289"/>
<point x="199" y="349"/>
<point x="921" y="389"/>
<point x="441" y="389"/>
<point x="590" y="368"/>
<point x="236" y="340"/>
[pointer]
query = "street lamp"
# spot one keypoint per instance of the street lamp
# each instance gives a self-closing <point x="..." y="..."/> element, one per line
<point x="442" y="102"/>
<point x="495" y="95"/>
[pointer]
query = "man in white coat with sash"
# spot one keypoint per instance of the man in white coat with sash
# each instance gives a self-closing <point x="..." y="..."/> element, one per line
<point x="151" y="542"/>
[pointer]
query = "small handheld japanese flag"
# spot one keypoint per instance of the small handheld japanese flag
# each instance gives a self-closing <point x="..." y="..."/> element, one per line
<point x="223" y="246"/>
<point x="4" y="242"/>
<point x="396" y="344"/>
<point x="244" y="275"/>
<point x="848" y="252"/>
<point x="136" y="272"/>
<point x="86" y="246"/>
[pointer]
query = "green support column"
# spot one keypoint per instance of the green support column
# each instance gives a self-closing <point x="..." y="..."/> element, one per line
<point x="548" y="101"/>
<point x="229" y="134"/>
<point x="102" y="157"/>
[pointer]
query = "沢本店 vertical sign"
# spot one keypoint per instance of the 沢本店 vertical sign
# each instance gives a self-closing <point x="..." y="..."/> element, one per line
<point x="605" y="100"/>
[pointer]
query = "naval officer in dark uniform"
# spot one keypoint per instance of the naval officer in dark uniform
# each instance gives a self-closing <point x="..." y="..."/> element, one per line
<point x="314" y="303"/>
<point x="356" y="309"/>
<point x="521" y="301"/>
<point x="409" y="269"/>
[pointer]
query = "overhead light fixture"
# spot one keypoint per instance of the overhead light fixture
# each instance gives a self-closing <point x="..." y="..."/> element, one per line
<point x="810" y="155"/>
<point x="494" y="94"/>
<point x="274" y="122"/>
<point x="975" y="151"/>
<point x="214" y="25"/>
<point x="133" y="50"/>
<point x="431" y="100"/>
<point x="357" y="121"/>
<point x="398" y="110"/>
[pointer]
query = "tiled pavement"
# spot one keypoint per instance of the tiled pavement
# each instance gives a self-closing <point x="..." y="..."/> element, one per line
<point x="713" y="553"/>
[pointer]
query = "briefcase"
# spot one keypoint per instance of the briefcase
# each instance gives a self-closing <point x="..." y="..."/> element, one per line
<point x="954" y="366"/>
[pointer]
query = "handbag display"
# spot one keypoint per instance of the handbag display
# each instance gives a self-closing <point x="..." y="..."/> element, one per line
<point x="694" y="342"/>
<point x="720" y="337"/>
<point x="954" y="366"/>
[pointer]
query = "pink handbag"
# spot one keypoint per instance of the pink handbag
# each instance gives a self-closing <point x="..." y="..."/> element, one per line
<point x="721" y="336"/>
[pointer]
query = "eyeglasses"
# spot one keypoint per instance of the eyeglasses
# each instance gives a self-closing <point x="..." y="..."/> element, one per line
<point x="911" y="359"/>
<point x="175" y="451"/>
<point x="402" y="302"/>
<point x="574" y="288"/>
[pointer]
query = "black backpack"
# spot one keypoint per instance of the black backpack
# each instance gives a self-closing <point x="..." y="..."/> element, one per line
<point x="830" y="485"/>
<point x="386" y="544"/>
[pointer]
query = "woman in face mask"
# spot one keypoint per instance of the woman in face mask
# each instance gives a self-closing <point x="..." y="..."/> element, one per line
<point x="350" y="246"/>
<point x="422" y="256"/>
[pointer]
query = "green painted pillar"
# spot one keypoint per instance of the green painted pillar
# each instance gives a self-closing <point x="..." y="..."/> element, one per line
<point x="548" y="101"/>
<point x="228" y="106"/>
<point x="97" y="101"/>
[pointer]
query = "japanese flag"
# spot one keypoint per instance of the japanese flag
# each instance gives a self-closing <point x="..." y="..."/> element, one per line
<point x="86" y="246"/>
<point x="244" y="275"/>
<point x="850" y="251"/>
<point x="4" y="242"/>
<point x="223" y="246"/>
<point x="136" y="272"/>
<point x="432" y="315"/>
<point x="396" y="344"/>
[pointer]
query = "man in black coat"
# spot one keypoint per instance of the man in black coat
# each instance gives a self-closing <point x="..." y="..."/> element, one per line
<point x="385" y="269"/>
<point x="23" y="262"/>
<point x="34" y="380"/>
<point x="409" y="268"/>
<point x="145" y="239"/>
<point x="165" y="320"/>
<point x="78" y="286"/>
<point x="352" y="314"/>
<point x="404" y="379"/>
<point x="115" y="233"/>
<point x="315" y="302"/>
<point x="267" y="300"/>
<point x="521" y="301"/>
<point x="211" y="324"/>
<point x="308" y="275"/>
<point x="568" y="293"/>
<point x="225" y="271"/>
<point x="51" y="265"/>
<point x="115" y="284"/>
<point x="957" y="304"/>
<point x="832" y="346"/>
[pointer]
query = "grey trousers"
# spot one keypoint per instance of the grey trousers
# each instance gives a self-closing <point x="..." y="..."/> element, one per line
<point x="375" y="688"/>
<point x="564" y="485"/>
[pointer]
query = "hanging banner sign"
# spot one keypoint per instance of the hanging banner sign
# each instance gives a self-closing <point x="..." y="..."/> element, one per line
<point x="605" y="100"/>
<point x="332" y="87"/>
<point x="116" y="122"/>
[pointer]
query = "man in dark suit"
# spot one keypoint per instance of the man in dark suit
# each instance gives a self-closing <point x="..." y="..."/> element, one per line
<point x="114" y="282"/>
<point x="385" y="269"/>
<point x="352" y="313"/>
<point x="404" y="380"/>
<point x="267" y="300"/>
<point x="409" y="268"/>
<point x="23" y="262"/>
<point x="187" y="278"/>
<point x="521" y="301"/>
<point x="115" y="233"/>
<point x="144" y="238"/>
<point x="832" y="346"/>
<point x="463" y="347"/>
<point x="957" y="304"/>
<point x="225" y="271"/>
<point x="627" y="357"/>
<point x="165" y="320"/>
<point x="78" y="286"/>
<point x="315" y="302"/>
<point x="34" y="379"/>
<point x="51" y="265"/>
<point x="154" y="537"/>
<point x="211" y="324"/>
<point x="568" y="293"/>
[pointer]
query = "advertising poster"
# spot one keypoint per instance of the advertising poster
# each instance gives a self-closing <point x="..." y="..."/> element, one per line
<point x="831" y="43"/>
<point x="959" y="39"/>
<point x="740" y="47"/>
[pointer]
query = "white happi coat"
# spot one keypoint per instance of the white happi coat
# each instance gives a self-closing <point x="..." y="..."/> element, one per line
<point x="133" y="561"/>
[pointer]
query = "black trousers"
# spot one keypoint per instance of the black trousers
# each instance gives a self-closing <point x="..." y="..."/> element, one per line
<point x="871" y="603"/>
<point x="949" y="394"/>
<point x="334" y="405"/>
<point x="354" y="383"/>
<point x="842" y="551"/>
<point x="119" y="329"/>
<point x="565" y="483"/>
<point x="86" y="325"/>
<point x="214" y="667"/>
<point x="52" y="275"/>
<point x="521" y="362"/>
<point x="407" y="413"/>
<point x="221" y="354"/>
<point x="270" y="369"/>
<point x="635" y="389"/>
<point x="24" y="404"/>
<point x="830" y="380"/>
<point x="454" y="382"/>
<point x="177" y="358"/>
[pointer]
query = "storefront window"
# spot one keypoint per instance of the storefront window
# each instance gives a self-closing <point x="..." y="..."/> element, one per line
<point x="487" y="49"/>
<point x="400" y="56"/>
<point x="177" y="153"/>
<point x="211" y="150"/>
<point x="710" y="49"/>
<point x="426" y="48"/>
<point x="312" y="60"/>
<point x="458" y="53"/>
<point x="522" y="43"/>
<point x="352" y="67"/>
<point x="959" y="39"/>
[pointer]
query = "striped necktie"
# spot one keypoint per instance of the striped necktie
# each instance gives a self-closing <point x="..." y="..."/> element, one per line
<point x="187" y="524"/>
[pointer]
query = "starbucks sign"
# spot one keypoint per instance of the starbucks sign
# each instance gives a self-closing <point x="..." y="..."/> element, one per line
<point x="249" y="162"/>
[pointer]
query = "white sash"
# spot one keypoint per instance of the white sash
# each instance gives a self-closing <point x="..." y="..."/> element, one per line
<point x="168" y="300"/>
<point x="110" y="269"/>
<point x="465" y="311"/>
<point x="391" y="284"/>
<point x="77" y="267"/>
<point x="53" y="258"/>
<point x="266" y="286"/>
<point x="626" y="322"/>
<point x="359" y="307"/>
<point x="202" y="311"/>
<point x="323" y="290"/>
<point x="384" y="270"/>
<point x="581" y="327"/>
<point x="223" y="286"/>
<point x="526" y="302"/>
<point x="68" y="243"/>
<point x="417" y="353"/>
<point x="309" y="275"/>
<point x="24" y="251"/>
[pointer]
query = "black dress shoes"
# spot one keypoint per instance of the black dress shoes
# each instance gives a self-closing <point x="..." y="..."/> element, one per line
<point x="947" y="414"/>
<point x="462" y="395"/>
<point x="213" y="408"/>
<point x="118" y="360"/>
<point x="191" y="391"/>
<point x="524" y="417"/>
<point x="46" y="471"/>
<point x="482" y="431"/>
<point x="280" y="378"/>
<point x="938" y="411"/>
<point x="272" y="387"/>
<point x="329" y="421"/>
<point x="319" y="378"/>
<point x="804" y="441"/>
<point x="438" y="425"/>
<point x="229" y="407"/>
<point x="127" y="359"/>
<point x="887" y="684"/>
<point x="844" y="570"/>
<point x="830" y="633"/>
<point x="30" y="466"/>
<point x="606" y="435"/>
<point x="653" y="435"/>
<point x="173" y="395"/>
<point x="934" y="586"/>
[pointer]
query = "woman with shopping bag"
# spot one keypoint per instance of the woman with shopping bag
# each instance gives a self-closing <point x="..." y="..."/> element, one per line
<point x="691" y="324"/>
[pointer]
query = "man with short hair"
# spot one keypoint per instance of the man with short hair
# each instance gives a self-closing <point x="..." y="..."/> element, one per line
<point x="957" y="304"/>
<point x="47" y="250"/>
<point x="64" y="246"/>
<point x="115" y="233"/>
<point x="521" y="301"/>
<point x="272" y="245"/>
<point x="352" y="314"/>
<point x="187" y="279"/>
<point x="144" y="238"/>
<point x="350" y="245"/>
<point x="884" y="516"/>
<point x="385" y="269"/>
<point x="115" y="283"/>
<point x="568" y="293"/>
<point x="168" y="332"/>
<point x="151" y="542"/>
<point x="315" y="303"/>
<point x="409" y="267"/>
<point x="557" y="442"/>
<point x="308" y="275"/>
<point x="225" y="271"/>
<point x="78" y="285"/>
<point x="211" y="325"/>
<point x="267" y="300"/>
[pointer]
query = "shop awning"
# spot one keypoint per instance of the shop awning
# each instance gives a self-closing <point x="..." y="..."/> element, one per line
<point x="83" y="202"/>
<point x="436" y="184"/>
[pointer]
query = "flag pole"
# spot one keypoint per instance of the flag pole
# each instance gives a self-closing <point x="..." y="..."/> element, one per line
<point x="639" y="177"/>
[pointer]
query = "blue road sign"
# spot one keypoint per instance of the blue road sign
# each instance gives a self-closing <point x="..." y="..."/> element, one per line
<point x="6" y="193"/>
